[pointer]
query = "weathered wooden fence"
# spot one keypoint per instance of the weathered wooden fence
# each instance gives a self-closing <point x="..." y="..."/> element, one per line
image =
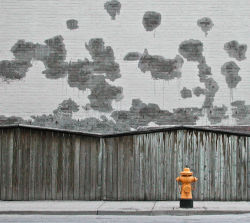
<point x="39" y="164"/>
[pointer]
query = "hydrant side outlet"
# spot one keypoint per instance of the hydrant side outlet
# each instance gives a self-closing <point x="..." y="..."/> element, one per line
<point x="186" y="179"/>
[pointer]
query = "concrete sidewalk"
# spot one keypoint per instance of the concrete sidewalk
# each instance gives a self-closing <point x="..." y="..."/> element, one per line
<point x="121" y="208"/>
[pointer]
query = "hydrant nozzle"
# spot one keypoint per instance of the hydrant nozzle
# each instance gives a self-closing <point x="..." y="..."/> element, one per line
<point x="186" y="178"/>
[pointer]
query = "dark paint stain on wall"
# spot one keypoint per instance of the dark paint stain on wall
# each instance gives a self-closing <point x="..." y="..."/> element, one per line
<point x="13" y="69"/>
<point x="103" y="59"/>
<point x="83" y="75"/>
<point x="55" y="64"/>
<point x="159" y="67"/>
<point x="199" y="91"/>
<point x="216" y="114"/>
<point x="204" y="70"/>
<point x="211" y="89"/>
<point x="241" y="112"/>
<point x="53" y="55"/>
<point x="103" y="94"/>
<point x="72" y="24"/>
<point x="113" y="8"/>
<point x="206" y="24"/>
<point x="231" y="72"/>
<point x="67" y="107"/>
<point x="151" y="20"/>
<point x="17" y="68"/>
<point x="132" y="56"/>
<point x="186" y="93"/>
<point x="236" y="50"/>
<point x="62" y="119"/>
<point x="191" y="50"/>
<point x="141" y="114"/>
<point x="80" y="75"/>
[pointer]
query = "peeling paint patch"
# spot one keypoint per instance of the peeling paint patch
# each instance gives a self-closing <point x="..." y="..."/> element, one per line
<point x="151" y="20"/>
<point x="80" y="75"/>
<point x="211" y="85"/>
<point x="66" y="108"/>
<point x="113" y="8"/>
<point x="204" y="70"/>
<point x="191" y="50"/>
<point x="206" y="24"/>
<point x="13" y="69"/>
<point x="186" y="93"/>
<point x="159" y="67"/>
<point x="216" y="114"/>
<point x="141" y="114"/>
<point x="103" y="94"/>
<point x="62" y="118"/>
<point x="211" y="89"/>
<point x="236" y="50"/>
<point x="231" y="71"/>
<point x="53" y="55"/>
<point x="55" y="64"/>
<point x="72" y="24"/>
<point x="103" y="59"/>
<point x="132" y="56"/>
<point x="241" y="112"/>
<point x="199" y="91"/>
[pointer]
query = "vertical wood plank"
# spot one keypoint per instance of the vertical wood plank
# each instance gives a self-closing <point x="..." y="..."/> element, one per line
<point x="54" y="165"/>
<point x="60" y="167"/>
<point x="10" y="163"/>
<point x="104" y="169"/>
<point x="32" y="174"/>
<point x="15" y="164"/>
<point x="65" y="166"/>
<point x="71" y="148"/>
<point x="212" y="157"/>
<point x="26" y="163"/>
<point x="115" y="169"/>
<point x="238" y="170"/>
<point x="93" y="167"/>
<point x="87" y="181"/>
<point x="76" y="147"/>
<point x="201" y="164"/>
<point x="43" y="143"/>
<point x="248" y="168"/>
<point x="20" y="169"/>
<point x="137" y="167"/>
<point x="1" y="171"/>
<point x="48" y="164"/>
<point x="217" y="146"/>
<point x="82" y="160"/>
<point x="4" y="163"/>
<point x="99" y="168"/>
<point x="108" y="164"/>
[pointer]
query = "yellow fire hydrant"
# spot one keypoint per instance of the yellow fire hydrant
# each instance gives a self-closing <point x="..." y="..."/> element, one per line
<point x="186" y="179"/>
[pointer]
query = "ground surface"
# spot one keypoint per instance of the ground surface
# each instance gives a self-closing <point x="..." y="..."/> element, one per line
<point x="123" y="219"/>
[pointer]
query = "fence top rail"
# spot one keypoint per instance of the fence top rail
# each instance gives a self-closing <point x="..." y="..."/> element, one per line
<point x="218" y="130"/>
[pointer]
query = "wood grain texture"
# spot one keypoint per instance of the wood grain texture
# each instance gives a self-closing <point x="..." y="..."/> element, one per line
<point x="49" y="165"/>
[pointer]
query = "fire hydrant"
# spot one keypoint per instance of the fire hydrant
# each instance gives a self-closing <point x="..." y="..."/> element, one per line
<point x="186" y="179"/>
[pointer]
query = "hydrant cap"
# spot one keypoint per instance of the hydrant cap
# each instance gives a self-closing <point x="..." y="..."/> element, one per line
<point x="186" y="171"/>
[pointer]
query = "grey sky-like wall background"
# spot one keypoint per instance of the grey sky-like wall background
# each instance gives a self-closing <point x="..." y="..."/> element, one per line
<point x="112" y="66"/>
